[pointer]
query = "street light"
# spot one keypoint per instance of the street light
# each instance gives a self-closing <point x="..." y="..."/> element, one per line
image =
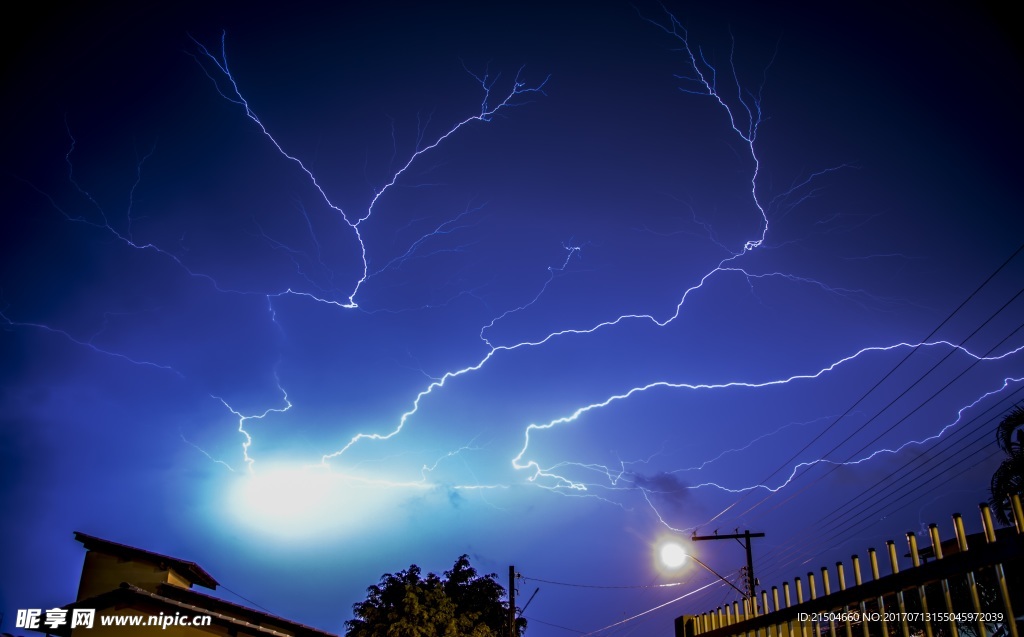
<point x="746" y="537"/>
<point x="673" y="556"/>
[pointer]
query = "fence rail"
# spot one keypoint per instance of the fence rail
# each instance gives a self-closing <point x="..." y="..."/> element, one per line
<point x="968" y="586"/>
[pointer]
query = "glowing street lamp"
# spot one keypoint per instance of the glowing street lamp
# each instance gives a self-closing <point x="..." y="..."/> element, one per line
<point x="673" y="556"/>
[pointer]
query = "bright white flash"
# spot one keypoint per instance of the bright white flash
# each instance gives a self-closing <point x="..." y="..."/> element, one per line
<point x="300" y="502"/>
<point x="672" y="555"/>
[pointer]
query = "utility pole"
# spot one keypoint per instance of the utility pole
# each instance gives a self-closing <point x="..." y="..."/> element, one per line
<point x="511" y="601"/>
<point x="745" y="536"/>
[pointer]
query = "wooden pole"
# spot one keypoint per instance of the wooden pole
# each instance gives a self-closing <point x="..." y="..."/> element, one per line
<point x="512" y="601"/>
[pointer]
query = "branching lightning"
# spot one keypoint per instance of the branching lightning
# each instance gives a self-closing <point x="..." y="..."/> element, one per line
<point x="88" y="343"/>
<point x="227" y="86"/>
<point x="536" y="472"/>
<point x="700" y="79"/>
<point x="243" y="419"/>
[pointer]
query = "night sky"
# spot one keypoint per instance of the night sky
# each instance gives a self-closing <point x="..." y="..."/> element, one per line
<point x="502" y="279"/>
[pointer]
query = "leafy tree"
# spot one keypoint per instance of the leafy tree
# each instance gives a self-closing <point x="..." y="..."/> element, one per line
<point x="1009" y="477"/>
<point x="459" y="604"/>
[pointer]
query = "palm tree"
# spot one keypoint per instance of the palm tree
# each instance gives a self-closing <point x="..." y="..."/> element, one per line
<point x="1009" y="477"/>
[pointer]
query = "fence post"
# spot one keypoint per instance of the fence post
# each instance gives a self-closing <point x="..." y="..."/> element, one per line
<point x="915" y="559"/>
<point x="895" y="566"/>
<point x="800" y="600"/>
<point x="1018" y="514"/>
<point x="972" y="564"/>
<point x="814" y="595"/>
<point x="863" y="606"/>
<point x="933" y="533"/>
<point x="972" y="583"/>
<point x="765" y="611"/>
<point x="841" y="574"/>
<point x="1004" y="591"/>
<point x="789" y="602"/>
<point x="775" y="605"/>
<point x="881" y="599"/>
<point x="827" y="585"/>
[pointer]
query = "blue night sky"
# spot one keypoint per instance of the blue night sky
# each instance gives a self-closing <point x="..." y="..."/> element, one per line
<point x="389" y="316"/>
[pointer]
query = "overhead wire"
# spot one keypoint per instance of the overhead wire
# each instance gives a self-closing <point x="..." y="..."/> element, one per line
<point x="946" y="448"/>
<point x="946" y="441"/>
<point x="907" y="415"/>
<point x="651" y="610"/>
<point x="876" y="385"/>
<point x="802" y="545"/>
<point x="849" y="410"/>
<point x="950" y="445"/>
<point x="637" y="586"/>
<point x="886" y="493"/>
<point x="892" y="402"/>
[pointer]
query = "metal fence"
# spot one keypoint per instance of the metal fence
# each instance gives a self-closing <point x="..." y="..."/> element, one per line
<point x="964" y="587"/>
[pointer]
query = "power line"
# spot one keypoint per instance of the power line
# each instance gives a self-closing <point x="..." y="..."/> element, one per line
<point x="913" y="474"/>
<point x="849" y="410"/>
<point x="571" y="630"/>
<point x="905" y="417"/>
<point x="651" y="610"/>
<point x="648" y="586"/>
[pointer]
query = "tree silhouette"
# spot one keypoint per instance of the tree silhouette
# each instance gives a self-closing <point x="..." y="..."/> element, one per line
<point x="1009" y="477"/>
<point x="459" y="604"/>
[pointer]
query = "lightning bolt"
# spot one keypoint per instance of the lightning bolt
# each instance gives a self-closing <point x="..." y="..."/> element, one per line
<point x="216" y="68"/>
<point x="243" y="419"/>
<point x="87" y="343"/>
<point x="699" y="79"/>
<point x="745" y="117"/>
<point x="537" y="472"/>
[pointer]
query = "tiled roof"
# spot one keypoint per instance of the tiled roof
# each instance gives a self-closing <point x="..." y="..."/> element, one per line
<point x="215" y="604"/>
<point x="246" y="621"/>
<point x="191" y="570"/>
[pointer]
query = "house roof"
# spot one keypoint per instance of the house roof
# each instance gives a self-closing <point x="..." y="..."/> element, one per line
<point x="173" y="599"/>
<point x="191" y="570"/>
<point x="250" y="615"/>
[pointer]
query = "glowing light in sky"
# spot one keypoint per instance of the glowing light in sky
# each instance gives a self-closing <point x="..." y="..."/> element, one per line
<point x="287" y="498"/>
<point x="293" y="502"/>
<point x="672" y="555"/>
<point x="362" y="287"/>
